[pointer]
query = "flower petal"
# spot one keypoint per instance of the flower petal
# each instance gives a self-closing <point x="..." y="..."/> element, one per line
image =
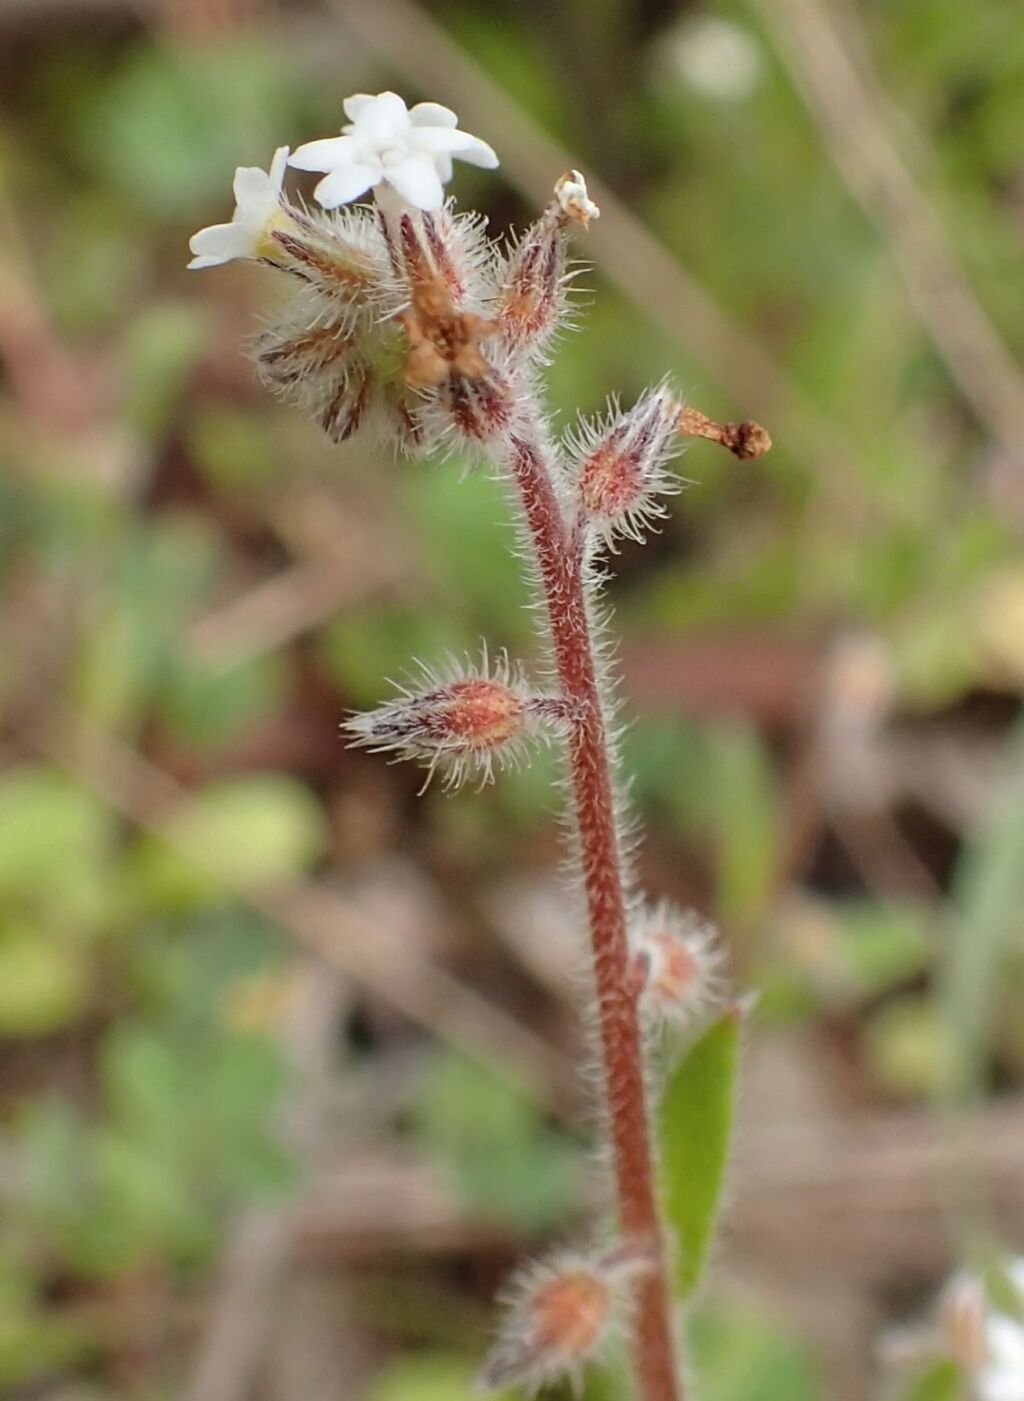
<point x="278" y="167"/>
<point x="436" y="139"/>
<point x="477" y="152"/>
<point x="220" y="243"/>
<point x="354" y="105"/>
<point x="431" y="114"/>
<point x="250" y="184"/>
<point x="345" y="184"/>
<point x="329" y="153"/>
<point x="417" y="181"/>
<point x="384" y="118"/>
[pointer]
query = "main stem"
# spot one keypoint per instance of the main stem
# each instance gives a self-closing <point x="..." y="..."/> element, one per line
<point x="561" y="568"/>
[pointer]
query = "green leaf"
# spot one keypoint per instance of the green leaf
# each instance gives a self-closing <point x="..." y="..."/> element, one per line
<point x="490" y="1140"/>
<point x="433" y="1376"/>
<point x="246" y="832"/>
<point x="44" y="985"/>
<point x="695" y="1127"/>
<point x="988" y="888"/>
<point x="943" y="1381"/>
<point x="740" y="1352"/>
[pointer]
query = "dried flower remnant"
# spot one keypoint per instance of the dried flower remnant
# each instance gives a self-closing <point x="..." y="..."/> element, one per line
<point x="746" y="440"/>
<point x="464" y="721"/>
<point x="442" y="341"/>
<point x="677" y="964"/>
<point x="560" y="1314"/>
<point x="573" y="200"/>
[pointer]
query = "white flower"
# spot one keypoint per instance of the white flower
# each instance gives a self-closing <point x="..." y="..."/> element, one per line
<point x="1002" y="1378"/>
<point x="384" y="141"/>
<point x="257" y="200"/>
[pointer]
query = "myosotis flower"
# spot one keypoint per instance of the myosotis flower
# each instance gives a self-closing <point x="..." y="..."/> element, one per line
<point x="257" y="207"/>
<point x="385" y="142"/>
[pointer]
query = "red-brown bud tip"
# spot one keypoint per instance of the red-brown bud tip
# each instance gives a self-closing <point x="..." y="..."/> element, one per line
<point x="560" y="1314"/>
<point x="676" y="963"/>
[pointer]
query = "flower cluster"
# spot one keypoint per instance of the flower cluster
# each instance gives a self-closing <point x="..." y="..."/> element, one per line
<point x="400" y="316"/>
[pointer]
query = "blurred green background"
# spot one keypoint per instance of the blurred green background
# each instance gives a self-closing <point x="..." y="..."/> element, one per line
<point x="287" y="1054"/>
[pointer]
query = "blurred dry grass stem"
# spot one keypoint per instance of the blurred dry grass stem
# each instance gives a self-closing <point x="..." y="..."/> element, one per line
<point x="818" y="46"/>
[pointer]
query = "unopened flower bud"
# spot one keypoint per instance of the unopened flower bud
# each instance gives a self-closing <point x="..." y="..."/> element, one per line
<point x="676" y="963"/>
<point x="620" y="465"/>
<point x="533" y="299"/>
<point x="462" y="721"/>
<point x="559" y="1315"/>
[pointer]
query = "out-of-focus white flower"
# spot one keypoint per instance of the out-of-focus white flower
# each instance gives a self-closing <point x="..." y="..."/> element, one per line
<point x="1002" y="1378"/>
<point x="386" y="142"/>
<point x="574" y="200"/>
<point x="257" y="201"/>
<point x="716" y="58"/>
<point x="987" y="1343"/>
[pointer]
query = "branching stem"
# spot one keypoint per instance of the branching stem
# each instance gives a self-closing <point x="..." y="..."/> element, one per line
<point x="561" y="569"/>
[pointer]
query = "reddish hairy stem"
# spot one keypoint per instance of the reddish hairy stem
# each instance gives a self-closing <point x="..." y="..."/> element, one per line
<point x="561" y="571"/>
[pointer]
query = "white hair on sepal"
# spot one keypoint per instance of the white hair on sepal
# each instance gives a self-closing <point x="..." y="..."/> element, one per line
<point x="619" y="462"/>
<point x="561" y="1313"/>
<point x="461" y="719"/>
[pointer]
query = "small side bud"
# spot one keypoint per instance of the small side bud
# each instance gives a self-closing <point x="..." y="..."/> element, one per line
<point x="560" y="1313"/>
<point x="573" y="200"/>
<point x="533" y="299"/>
<point x="620" y="466"/>
<point x="747" y="440"/>
<point x="676" y="964"/>
<point x="463" y="721"/>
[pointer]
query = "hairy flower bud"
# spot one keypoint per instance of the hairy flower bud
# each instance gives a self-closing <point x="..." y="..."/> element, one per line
<point x="620" y="465"/>
<point x="462" y="721"/>
<point x="676" y="963"/>
<point x="559" y="1314"/>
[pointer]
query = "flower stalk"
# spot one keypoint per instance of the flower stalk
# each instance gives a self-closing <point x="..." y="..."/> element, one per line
<point x="404" y="319"/>
<point x="561" y="566"/>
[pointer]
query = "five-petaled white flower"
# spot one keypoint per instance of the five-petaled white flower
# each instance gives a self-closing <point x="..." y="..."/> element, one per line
<point x="257" y="200"/>
<point x="386" y="142"/>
